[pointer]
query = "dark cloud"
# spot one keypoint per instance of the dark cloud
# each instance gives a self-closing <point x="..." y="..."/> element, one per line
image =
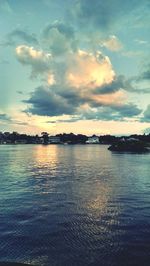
<point x="116" y="113"/>
<point x="146" y="115"/>
<point x="103" y="14"/>
<point x="127" y="110"/>
<point x="118" y="83"/>
<point x="108" y="113"/>
<point x="46" y="102"/>
<point x="5" y="118"/>
<point x="145" y="75"/>
<point x="22" y="35"/>
<point x="77" y="80"/>
<point x="72" y="96"/>
<point x="142" y="80"/>
<point x="51" y="101"/>
<point x="61" y="27"/>
<point x="20" y="92"/>
<point x="102" y="113"/>
<point x="121" y="82"/>
<point x="59" y="37"/>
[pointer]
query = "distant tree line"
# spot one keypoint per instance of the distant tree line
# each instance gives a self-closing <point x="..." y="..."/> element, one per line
<point x="15" y="137"/>
<point x="70" y="138"/>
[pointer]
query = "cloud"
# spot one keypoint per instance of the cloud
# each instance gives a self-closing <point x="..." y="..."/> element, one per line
<point x="146" y="131"/>
<point x="20" y="123"/>
<point x="89" y="70"/>
<point x="4" y="117"/>
<point x="114" y="112"/>
<point x="37" y="59"/>
<point x="19" y="92"/>
<point x="103" y="113"/>
<point x="142" y="80"/>
<point x="75" y="69"/>
<point x="72" y="119"/>
<point x="46" y="102"/>
<point x="22" y="35"/>
<point x="127" y="110"/>
<point x="112" y="44"/>
<point x="118" y="83"/>
<point x="51" y="101"/>
<point x="79" y="69"/>
<point x="145" y="75"/>
<point x="77" y="82"/>
<point x="59" y="38"/>
<point x="133" y="54"/>
<point x="146" y="115"/>
<point x="130" y="85"/>
<point x="122" y="83"/>
<point x="139" y="90"/>
<point x="103" y="15"/>
<point x="141" y="42"/>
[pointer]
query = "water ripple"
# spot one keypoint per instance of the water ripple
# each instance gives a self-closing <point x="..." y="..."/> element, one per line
<point x="74" y="205"/>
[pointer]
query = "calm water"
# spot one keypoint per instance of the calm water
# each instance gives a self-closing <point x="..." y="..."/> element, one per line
<point x="74" y="206"/>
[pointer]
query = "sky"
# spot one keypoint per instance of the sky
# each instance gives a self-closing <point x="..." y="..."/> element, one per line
<point x="76" y="66"/>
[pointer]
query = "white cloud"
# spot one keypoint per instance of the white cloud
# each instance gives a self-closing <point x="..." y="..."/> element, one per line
<point x="141" y="41"/>
<point x="86" y="70"/>
<point x="38" y="60"/>
<point x="112" y="44"/>
<point x="76" y="69"/>
<point x="75" y="79"/>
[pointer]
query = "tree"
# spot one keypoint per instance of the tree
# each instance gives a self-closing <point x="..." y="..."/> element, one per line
<point x="45" y="137"/>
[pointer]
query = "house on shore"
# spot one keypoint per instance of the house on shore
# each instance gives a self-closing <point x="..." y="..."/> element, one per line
<point x="54" y="140"/>
<point x="93" y="140"/>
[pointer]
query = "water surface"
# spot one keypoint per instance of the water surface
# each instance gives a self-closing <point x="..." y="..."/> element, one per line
<point x="74" y="205"/>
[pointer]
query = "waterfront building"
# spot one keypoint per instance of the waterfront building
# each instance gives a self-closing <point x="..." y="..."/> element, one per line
<point x="54" y="140"/>
<point x="93" y="140"/>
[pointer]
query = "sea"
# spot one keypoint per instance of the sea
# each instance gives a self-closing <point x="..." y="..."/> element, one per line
<point x="74" y="205"/>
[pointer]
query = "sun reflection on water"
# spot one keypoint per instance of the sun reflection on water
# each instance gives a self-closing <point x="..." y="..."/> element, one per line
<point x="72" y="204"/>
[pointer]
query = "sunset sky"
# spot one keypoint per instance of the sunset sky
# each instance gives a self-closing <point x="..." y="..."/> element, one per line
<point x="80" y="66"/>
